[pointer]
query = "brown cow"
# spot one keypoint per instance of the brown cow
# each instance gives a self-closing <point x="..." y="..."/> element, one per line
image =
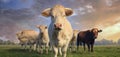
<point x="87" y="37"/>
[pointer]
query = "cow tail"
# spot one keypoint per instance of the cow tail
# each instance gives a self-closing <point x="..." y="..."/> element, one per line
<point x="78" y="40"/>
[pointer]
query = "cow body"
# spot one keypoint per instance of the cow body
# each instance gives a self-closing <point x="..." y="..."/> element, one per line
<point x="74" y="40"/>
<point x="60" y="30"/>
<point x="28" y="37"/>
<point x="87" y="37"/>
<point x="43" y="38"/>
<point x="23" y="42"/>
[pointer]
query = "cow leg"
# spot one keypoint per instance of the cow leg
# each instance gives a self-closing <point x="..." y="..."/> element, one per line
<point x="70" y="47"/>
<point x="91" y="47"/>
<point x="37" y="47"/>
<point x="84" y="46"/>
<point x="50" y="47"/>
<point x="78" y="44"/>
<point x="55" y="51"/>
<point x="64" y="50"/>
<point x="30" y="49"/>
<point x="41" y="49"/>
<point x="74" y="46"/>
<point x="92" y="44"/>
<point x="88" y="47"/>
<point x="34" y="47"/>
<point x="25" y="46"/>
<point x="60" y="51"/>
<point x="22" y="45"/>
<point x="47" y="47"/>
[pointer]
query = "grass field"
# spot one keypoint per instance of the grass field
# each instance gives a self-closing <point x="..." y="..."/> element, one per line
<point x="99" y="51"/>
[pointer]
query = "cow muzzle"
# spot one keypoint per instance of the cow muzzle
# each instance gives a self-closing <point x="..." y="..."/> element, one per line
<point x="58" y="26"/>
<point x="41" y="33"/>
<point x="95" y="37"/>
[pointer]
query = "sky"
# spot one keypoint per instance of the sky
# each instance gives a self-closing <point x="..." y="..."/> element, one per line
<point x="17" y="15"/>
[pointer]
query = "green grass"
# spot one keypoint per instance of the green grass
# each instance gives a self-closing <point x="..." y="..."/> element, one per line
<point x="99" y="51"/>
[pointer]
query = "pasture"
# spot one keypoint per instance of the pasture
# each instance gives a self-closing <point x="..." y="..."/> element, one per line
<point x="99" y="51"/>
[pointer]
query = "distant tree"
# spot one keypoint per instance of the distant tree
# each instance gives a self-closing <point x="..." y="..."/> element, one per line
<point x="104" y="42"/>
<point x="118" y="41"/>
<point x="8" y="42"/>
<point x="1" y="41"/>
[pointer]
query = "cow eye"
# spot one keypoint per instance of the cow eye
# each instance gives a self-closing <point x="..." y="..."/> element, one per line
<point x="52" y="16"/>
<point x="64" y="15"/>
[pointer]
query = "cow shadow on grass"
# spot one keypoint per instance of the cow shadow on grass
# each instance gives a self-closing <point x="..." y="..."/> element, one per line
<point x="17" y="50"/>
<point x="80" y="52"/>
<point x="26" y="53"/>
<point x="20" y="51"/>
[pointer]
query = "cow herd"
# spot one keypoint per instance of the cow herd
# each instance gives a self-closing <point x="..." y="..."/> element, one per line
<point x="59" y="36"/>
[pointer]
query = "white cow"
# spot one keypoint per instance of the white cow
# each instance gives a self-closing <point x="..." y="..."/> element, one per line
<point x="29" y="37"/>
<point x="74" y="40"/>
<point x="23" y="41"/>
<point x="60" y="30"/>
<point x="43" y="38"/>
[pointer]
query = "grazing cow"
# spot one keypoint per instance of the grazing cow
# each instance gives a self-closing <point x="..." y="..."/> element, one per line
<point x="43" y="38"/>
<point x="30" y="37"/>
<point x="73" y="40"/>
<point x="23" y="41"/>
<point x="60" y="30"/>
<point x="88" y="37"/>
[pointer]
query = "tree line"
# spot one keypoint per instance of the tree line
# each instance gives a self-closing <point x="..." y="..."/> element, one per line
<point x="101" y="42"/>
<point x="107" y="42"/>
<point x="8" y="42"/>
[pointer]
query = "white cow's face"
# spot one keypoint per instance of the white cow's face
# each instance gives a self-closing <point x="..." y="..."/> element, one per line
<point x="19" y="34"/>
<point x="42" y="28"/>
<point x="58" y="15"/>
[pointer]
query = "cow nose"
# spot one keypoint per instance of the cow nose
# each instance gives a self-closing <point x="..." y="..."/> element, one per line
<point x="95" y="37"/>
<point x="57" y="25"/>
<point x="41" y="33"/>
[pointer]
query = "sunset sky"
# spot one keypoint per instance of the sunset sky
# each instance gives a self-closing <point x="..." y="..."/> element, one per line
<point x="16" y="15"/>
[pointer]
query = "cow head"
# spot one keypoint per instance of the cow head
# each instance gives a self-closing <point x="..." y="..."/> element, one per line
<point x="19" y="34"/>
<point x="95" y="32"/>
<point x="42" y="28"/>
<point x="58" y="15"/>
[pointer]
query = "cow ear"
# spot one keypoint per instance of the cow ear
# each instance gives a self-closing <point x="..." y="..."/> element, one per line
<point x="99" y="30"/>
<point x="88" y="30"/>
<point x="16" y="34"/>
<point x="22" y="32"/>
<point x="37" y="26"/>
<point x="46" y="12"/>
<point x="45" y="27"/>
<point x="68" y="11"/>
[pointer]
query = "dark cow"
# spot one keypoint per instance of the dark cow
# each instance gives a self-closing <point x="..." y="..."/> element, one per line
<point x="87" y="37"/>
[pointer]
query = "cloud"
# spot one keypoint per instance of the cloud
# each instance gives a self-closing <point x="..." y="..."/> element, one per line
<point x="109" y="2"/>
<point x="3" y="38"/>
<point x="5" y="1"/>
<point x="15" y="4"/>
<point x="87" y="14"/>
<point x="84" y="9"/>
<point x="112" y="31"/>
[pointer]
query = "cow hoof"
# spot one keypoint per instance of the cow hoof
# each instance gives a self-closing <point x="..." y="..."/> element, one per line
<point x="46" y="52"/>
<point x="91" y="51"/>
